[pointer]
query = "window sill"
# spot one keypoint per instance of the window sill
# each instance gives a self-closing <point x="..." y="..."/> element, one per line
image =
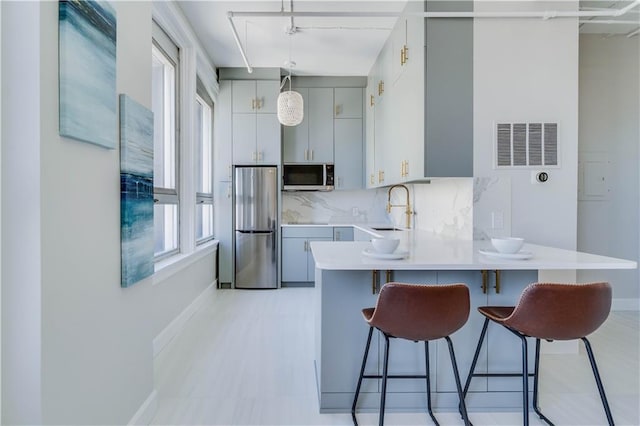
<point x="170" y="266"/>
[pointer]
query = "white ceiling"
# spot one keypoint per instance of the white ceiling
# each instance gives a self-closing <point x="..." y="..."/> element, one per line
<point x="324" y="46"/>
<point x="318" y="48"/>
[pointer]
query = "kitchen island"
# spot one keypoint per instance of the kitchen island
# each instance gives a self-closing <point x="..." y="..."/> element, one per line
<point x="346" y="281"/>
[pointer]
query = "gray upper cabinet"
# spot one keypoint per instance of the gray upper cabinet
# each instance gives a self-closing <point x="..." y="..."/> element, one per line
<point x="348" y="150"/>
<point x="331" y="131"/>
<point x="255" y="96"/>
<point x="255" y="127"/>
<point x="348" y="102"/>
<point x="449" y="93"/>
<point x="424" y="105"/>
<point x="312" y="140"/>
<point x="320" y="125"/>
<point x="295" y="139"/>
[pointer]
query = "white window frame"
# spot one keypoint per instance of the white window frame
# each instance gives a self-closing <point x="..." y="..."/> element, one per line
<point x="207" y="166"/>
<point x="168" y="194"/>
<point x="193" y="62"/>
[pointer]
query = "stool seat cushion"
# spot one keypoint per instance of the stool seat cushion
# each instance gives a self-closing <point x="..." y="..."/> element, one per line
<point x="496" y="313"/>
<point x="367" y="313"/>
<point x="556" y="311"/>
<point x="420" y="312"/>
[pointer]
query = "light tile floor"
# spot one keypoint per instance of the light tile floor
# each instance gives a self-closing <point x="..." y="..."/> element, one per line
<point x="246" y="358"/>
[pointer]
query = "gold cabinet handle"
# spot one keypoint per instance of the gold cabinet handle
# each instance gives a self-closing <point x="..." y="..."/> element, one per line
<point x="372" y="179"/>
<point x="253" y="104"/>
<point x="388" y="276"/>
<point x="485" y="279"/>
<point x="371" y="101"/>
<point x="497" y="286"/>
<point x="374" y="281"/>
<point x="405" y="54"/>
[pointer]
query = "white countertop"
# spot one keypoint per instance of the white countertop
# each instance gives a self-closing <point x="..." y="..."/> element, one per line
<point x="430" y="253"/>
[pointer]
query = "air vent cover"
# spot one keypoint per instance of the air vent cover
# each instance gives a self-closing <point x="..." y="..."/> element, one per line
<point x="526" y="144"/>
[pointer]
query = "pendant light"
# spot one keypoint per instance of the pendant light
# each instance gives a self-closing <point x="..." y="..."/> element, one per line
<point x="290" y="103"/>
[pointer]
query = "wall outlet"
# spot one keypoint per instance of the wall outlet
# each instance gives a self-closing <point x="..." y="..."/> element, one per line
<point x="497" y="220"/>
<point x="355" y="211"/>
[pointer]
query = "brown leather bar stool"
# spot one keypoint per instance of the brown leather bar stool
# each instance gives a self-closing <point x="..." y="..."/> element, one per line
<point x="420" y="313"/>
<point x="549" y="311"/>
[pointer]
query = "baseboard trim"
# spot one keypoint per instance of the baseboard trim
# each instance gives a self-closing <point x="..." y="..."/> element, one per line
<point x="625" y="305"/>
<point x="176" y="325"/>
<point x="147" y="410"/>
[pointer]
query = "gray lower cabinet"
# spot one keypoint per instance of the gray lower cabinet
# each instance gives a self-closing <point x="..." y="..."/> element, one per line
<point x="297" y="260"/>
<point x="343" y="233"/>
<point x="343" y="333"/>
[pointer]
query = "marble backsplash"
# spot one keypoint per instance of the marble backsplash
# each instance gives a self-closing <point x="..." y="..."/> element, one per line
<point x="365" y="206"/>
<point x="443" y="207"/>
<point x="491" y="207"/>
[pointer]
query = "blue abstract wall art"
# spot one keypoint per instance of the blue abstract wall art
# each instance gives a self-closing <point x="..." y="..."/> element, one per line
<point x="136" y="191"/>
<point x="87" y="71"/>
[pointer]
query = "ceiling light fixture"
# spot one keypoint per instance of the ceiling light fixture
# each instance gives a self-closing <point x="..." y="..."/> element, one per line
<point x="290" y="103"/>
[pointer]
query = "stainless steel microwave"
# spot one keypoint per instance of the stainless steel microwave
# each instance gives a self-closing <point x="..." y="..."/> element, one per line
<point x="307" y="177"/>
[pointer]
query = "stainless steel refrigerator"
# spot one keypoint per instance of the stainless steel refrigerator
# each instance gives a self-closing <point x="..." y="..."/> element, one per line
<point x="256" y="209"/>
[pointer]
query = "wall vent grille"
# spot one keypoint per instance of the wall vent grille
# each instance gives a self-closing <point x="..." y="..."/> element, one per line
<point x="526" y="144"/>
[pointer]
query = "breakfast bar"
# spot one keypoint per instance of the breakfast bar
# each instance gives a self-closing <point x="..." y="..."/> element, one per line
<point x="348" y="276"/>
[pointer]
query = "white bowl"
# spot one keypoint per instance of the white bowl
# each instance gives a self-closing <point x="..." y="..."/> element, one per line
<point x="507" y="245"/>
<point x="385" y="245"/>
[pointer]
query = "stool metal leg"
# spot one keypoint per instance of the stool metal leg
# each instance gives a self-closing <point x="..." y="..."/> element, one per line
<point x="454" y="365"/>
<point x="596" y="374"/>
<point x="475" y="357"/>
<point x="364" y="363"/>
<point x="383" y="394"/>
<point x="428" y="377"/>
<point x="536" y="376"/>
<point x="525" y="382"/>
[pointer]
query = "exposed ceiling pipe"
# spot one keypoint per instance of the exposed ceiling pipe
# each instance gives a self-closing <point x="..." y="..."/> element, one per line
<point x="314" y="14"/>
<point x="235" y="36"/>
<point x="608" y="22"/>
<point x="547" y="14"/>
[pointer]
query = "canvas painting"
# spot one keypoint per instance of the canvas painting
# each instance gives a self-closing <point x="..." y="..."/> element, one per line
<point x="87" y="71"/>
<point x="136" y="191"/>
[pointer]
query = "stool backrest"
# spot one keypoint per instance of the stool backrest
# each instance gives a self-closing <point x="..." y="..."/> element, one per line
<point x="556" y="311"/>
<point x="421" y="312"/>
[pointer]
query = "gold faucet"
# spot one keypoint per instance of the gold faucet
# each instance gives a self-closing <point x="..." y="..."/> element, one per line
<point x="407" y="206"/>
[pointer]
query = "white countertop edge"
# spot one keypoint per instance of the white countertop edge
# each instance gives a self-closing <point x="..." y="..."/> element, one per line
<point x="348" y="256"/>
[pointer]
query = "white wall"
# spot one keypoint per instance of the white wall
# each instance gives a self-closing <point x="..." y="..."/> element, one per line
<point x="610" y="132"/>
<point x="21" y="272"/>
<point x="527" y="69"/>
<point x="80" y="346"/>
